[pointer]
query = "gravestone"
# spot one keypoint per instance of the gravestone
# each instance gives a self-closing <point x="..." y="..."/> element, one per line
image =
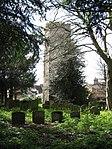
<point x="25" y="105"/>
<point x="46" y="105"/>
<point x="34" y="105"/>
<point x="57" y="116"/>
<point x="75" y="111"/>
<point x="18" y="118"/>
<point x="65" y="105"/>
<point x="94" y="110"/>
<point x="75" y="108"/>
<point x="55" y="106"/>
<point x="38" y="117"/>
<point x="75" y="114"/>
<point x="12" y="103"/>
<point x="51" y="103"/>
<point x="60" y="105"/>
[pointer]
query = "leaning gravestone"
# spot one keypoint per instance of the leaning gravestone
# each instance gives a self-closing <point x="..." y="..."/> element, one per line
<point x="18" y="118"/>
<point x="94" y="110"/>
<point x="57" y="116"/>
<point x="38" y="117"/>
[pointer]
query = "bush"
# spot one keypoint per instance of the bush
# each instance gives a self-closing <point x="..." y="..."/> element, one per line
<point x="89" y="132"/>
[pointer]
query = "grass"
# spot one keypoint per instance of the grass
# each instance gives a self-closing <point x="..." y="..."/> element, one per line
<point x="88" y="132"/>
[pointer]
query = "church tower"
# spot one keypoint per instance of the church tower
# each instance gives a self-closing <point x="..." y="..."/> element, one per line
<point x="58" y="40"/>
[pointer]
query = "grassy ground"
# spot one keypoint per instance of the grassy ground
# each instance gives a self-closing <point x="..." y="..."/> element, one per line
<point x="88" y="132"/>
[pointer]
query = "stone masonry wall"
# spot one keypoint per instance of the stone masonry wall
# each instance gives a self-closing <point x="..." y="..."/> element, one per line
<point x="58" y="37"/>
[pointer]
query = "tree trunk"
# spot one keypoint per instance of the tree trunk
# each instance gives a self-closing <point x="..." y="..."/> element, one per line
<point x="105" y="56"/>
<point x="109" y="89"/>
<point x="11" y="93"/>
<point x="2" y="95"/>
<point x="5" y="92"/>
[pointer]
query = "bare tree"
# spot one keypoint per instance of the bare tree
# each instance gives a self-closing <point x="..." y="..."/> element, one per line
<point x="101" y="70"/>
<point x="91" y="20"/>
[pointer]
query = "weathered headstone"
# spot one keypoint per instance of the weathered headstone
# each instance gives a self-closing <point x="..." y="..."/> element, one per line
<point x="34" y="104"/>
<point x="46" y="105"/>
<point x="12" y="103"/>
<point x="75" y="108"/>
<point x="75" y="114"/>
<point x="56" y="106"/>
<point x="18" y="118"/>
<point x="57" y="116"/>
<point x="52" y="106"/>
<point x="65" y="105"/>
<point x="94" y="110"/>
<point x="38" y="117"/>
<point x="25" y="105"/>
<point x="51" y="103"/>
<point x="70" y="106"/>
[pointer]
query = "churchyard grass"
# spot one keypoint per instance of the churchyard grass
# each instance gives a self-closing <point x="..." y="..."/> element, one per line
<point x="89" y="132"/>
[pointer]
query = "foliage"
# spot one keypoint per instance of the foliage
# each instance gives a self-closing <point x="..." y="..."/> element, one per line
<point x="92" y="21"/>
<point x="88" y="131"/>
<point x="17" y="28"/>
<point x="26" y="99"/>
<point x="94" y="12"/>
<point x="89" y="123"/>
<point x="69" y="83"/>
<point x="19" y="44"/>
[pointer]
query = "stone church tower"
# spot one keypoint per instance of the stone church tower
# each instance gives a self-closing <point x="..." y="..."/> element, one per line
<point x="58" y="40"/>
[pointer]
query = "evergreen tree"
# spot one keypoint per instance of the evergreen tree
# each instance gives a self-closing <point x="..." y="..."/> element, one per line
<point x="69" y="83"/>
<point x="92" y="19"/>
<point x="19" y="38"/>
